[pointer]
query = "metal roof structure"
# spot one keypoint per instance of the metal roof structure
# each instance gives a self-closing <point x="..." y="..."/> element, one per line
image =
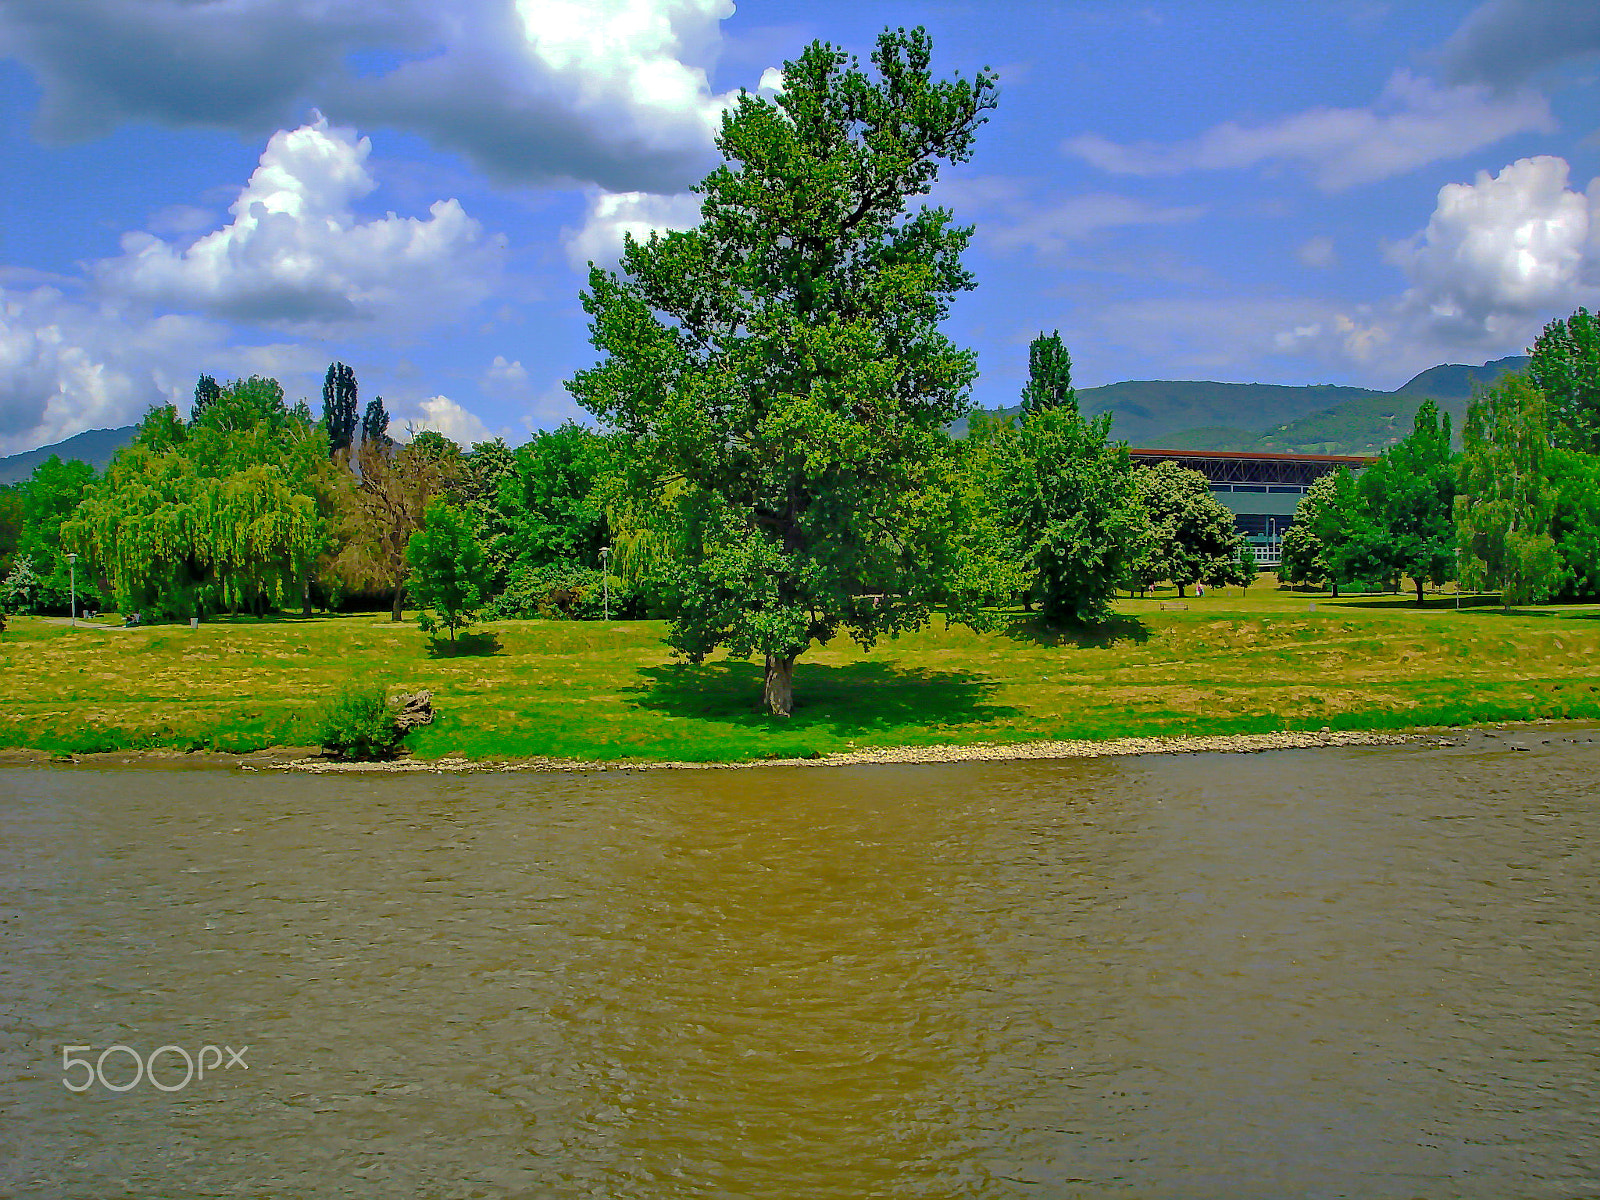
<point x="1261" y="490"/>
<point x="1247" y="467"/>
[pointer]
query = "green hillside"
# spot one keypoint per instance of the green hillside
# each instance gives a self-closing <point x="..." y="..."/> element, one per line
<point x="1271" y="418"/>
<point x="95" y="447"/>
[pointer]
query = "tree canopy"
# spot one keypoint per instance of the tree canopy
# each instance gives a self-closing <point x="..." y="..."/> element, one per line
<point x="1063" y="493"/>
<point x="447" y="569"/>
<point x="1192" y="537"/>
<point x="777" y="376"/>
<point x="1564" y="364"/>
<point x="220" y="513"/>
<point x="1506" y="503"/>
<point x="1049" y="375"/>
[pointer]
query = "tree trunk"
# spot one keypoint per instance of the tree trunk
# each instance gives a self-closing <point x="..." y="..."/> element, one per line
<point x="1180" y="591"/>
<point x="1418" y="582"/>
<point x="1336" y="590"/>
<point x="777" y="695"/>
<point x="395" y="614"/>
<point x="305" y="595"/>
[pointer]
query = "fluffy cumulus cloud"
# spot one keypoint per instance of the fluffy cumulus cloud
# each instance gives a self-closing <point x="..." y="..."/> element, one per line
<point x="443" y="415"/>
<point x="1503" y="249"/>
<point x="611" y="215"/>
<point x="1414" y="122"/>
<point x="296" y="255"/>
<point x="1506" y="42"/>
<point x="67" y="365"/>
<point x="1498" y="259"/>
<point x="612" y="92"/>
<point x="294" y="258"/>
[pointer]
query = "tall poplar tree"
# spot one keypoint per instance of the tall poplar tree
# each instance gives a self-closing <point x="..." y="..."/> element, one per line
<point x="1049" y="375"/>
<point x="779" y="373"/>
<point x="375" y="423"/>
<point x="1505" y="504"/>
<point x="206" y="393"/>
<point x="339" y="410"/>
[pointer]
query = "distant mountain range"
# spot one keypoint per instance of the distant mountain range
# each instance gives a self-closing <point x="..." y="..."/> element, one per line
<point x="1167" y="415"/>
<point x="95" y="447"/>
<point x="1320" y="419"/>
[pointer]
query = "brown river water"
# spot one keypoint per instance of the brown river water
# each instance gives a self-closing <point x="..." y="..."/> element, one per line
<point x="1358" y="972"/>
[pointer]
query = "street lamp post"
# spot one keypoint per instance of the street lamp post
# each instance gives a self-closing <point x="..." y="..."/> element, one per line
<point x="72" y="572"/>
<point x="605" y="583"/>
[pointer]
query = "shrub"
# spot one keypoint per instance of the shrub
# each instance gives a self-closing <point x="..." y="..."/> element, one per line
<point x="359" y="723"/>
<point x="563" y="591"/>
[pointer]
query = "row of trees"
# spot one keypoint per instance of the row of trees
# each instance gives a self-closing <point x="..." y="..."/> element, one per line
<point x="247" y="505"/>
<point x="1517" y="510"/>
<point x="1069" y="518"/>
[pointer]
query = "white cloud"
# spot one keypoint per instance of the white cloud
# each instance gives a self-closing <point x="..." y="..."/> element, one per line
<point x="507" y="379"/>
<point x="295" y="255"/>
<point x="1502" y="249"/>
<point x="610" y="215"/>
<point x="613" y="92"/>
<point x="443" y="415"/>
<point x="1508" y="41"/>
<point x="1052" y="228"/>
<point x="542" y="408"/>
<point x="67" y="365"/>
<point x="1317" y="252"/>
<point x="1413" y="122"/>
<point x="1498" y="259"/>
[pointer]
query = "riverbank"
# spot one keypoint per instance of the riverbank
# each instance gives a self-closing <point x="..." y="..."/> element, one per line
<point x="1519" y="737"/>
<point x="1227" y="667"/>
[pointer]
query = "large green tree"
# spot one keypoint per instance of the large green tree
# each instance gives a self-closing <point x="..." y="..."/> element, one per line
<point x="206" y="391"/>
<point x="1400" y="518"/>
<point x="550" y="503"/>
<point x="1505" y="502"/>
<point x="1305" y="555"/>
<point x="10" y="525"/>
<point x="1192" y="538"/>
<point x="49" y="497"/>
<point x="375" y="423"/>
<point x="220" y="513"/>
<point x="447" y="569"/>
<point x="1064" y="494"/>
<point x="1564" y="364"/>
<point x="779" y="371"/>
<point x="1575" y="522"/>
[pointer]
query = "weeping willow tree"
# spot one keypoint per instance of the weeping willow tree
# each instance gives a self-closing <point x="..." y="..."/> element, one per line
<point x="229" y="513"/>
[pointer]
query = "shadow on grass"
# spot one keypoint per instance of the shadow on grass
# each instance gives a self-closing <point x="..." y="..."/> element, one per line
<point x="468" y="645"/>
<point x="1035" y="629"/>
<point x="845" y="699"/>
<point x="1433" y="600"/>
<point x="1582" y="611"/>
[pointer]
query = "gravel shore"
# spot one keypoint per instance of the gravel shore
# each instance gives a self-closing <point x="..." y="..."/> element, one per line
<point x="306" y="759"/>
<point x="1238" y="744"/>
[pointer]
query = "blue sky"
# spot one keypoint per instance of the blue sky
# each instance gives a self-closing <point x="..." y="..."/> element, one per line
<point x="1342" y="192"/>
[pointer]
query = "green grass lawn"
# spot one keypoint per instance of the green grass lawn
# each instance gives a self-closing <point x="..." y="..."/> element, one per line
<point x="1224" y="664"/>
